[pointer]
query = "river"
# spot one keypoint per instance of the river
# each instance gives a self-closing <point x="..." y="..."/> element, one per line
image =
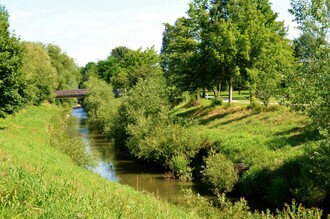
<point x="132" y="173"/>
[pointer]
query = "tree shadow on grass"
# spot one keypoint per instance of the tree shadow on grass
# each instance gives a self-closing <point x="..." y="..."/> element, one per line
<point x="194" y="112"/>
<point x="232" y="120"/>
<point x="293" y="137"/>
<point x="215" y="117"/>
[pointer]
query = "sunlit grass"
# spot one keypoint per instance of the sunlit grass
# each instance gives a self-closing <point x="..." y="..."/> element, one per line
<point x="39" y="181"/>
<point x="247" y="135"/>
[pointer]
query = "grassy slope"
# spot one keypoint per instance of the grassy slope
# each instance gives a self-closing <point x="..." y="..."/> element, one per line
<point x="37" y="181"/>
<point x="255" y="138"/>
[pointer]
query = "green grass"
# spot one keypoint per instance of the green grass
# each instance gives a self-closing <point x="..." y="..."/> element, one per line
<point x="39" y="181"/>
<point x="248" y="136"/>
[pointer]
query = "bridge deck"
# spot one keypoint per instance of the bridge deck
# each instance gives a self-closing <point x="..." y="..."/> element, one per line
<point x="71" y="93"/>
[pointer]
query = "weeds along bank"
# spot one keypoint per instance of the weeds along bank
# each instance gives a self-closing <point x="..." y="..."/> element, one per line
<point x="256" y="153"/>
<point x="39" y="181"/>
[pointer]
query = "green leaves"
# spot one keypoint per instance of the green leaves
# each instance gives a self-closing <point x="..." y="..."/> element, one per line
<point x="222" y="41"/>
<point x="309" y="88"/>
<point x="13" y="92"/>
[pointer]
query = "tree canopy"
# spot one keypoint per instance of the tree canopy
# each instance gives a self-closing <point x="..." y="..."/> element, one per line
<point x="221" y="40"/>
<point x="309" y="87"/>
<point x="13" y="94"/>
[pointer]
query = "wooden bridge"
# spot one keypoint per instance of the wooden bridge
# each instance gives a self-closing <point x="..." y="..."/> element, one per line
<point x="78" y="93"/>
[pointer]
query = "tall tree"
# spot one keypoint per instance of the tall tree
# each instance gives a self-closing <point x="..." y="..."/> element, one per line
<point x="13" y="93"/>
<point x="37" y="68"/>
<point x="309" y="88"/>
<point x="124" y="67"/>
<point x="67" y="70"/>
<point x="221" y="40"/>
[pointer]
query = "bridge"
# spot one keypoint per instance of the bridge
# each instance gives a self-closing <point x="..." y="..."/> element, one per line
<point x="78" y="93"/>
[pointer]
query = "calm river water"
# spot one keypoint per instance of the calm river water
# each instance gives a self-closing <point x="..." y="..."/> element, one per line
<point x="127" y="172"/>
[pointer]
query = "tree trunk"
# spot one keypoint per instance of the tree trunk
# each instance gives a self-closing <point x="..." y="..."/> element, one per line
<point x="230" y="100"/>
<point x="215" y="93"/>
<point x="219" y="89"/>
<point x="197" y="95"/>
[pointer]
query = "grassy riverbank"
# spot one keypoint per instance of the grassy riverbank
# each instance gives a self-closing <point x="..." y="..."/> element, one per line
<point x="38" y="181"/>
<point x="267" y="146"/>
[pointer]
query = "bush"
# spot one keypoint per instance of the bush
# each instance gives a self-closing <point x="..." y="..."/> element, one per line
<point x="171" y="145"/>
<point x="100" y="104"/>
<point x="74" y="147"/>
<point x="180" y="165"/>
<point x="314" y="183"/>
<point x="147" y="99"/>
<point x="220" y="173"/>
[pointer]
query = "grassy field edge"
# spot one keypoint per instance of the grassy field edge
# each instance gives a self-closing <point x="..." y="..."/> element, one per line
<point x="38" y="181"/>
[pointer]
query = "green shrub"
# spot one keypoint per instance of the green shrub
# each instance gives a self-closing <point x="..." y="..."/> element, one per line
<point x="72" y="146"/>
<point x="220" y="173"/>
<point x="147" y="99"/>
<point x="171" y="145"/>
<point x="314" y="183"/>
<point x="180" y="165"/>
<point x="100" y="104"/>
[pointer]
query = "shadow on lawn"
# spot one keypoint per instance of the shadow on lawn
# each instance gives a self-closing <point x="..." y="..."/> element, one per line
<point x="292" y="137"/>
<point x="232" y="120"/>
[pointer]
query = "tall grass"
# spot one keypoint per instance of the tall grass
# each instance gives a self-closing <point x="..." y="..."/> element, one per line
<point x="40" y="181"/>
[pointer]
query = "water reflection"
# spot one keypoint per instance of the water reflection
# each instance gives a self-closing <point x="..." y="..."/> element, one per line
<point x="127" y="172"/>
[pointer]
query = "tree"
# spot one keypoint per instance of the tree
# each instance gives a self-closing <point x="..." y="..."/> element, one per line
<point x="308" y="89"/>
<point x="90" y="70"/>
<point x="67" y="70"/>
<point x="40" y="75"/>
<point x="223" y="40"/>
<point x="135" y="65"/>
<point x="13" y="92"/>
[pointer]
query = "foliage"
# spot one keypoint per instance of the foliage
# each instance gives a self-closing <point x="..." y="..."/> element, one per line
<point x="220" y="173"/>
<point x="224" y="208"/>
<point x="100" y="104"/>
<point x="67" y="70"/>
<point x="13" y="87"/>
<point x="147" y="99"/>
<point x="124" y="67"/>
<point x="169" y="145"/>
<point x="71" y="146"/>
<point x="39" y="181"/>
<point x="308" y="89"/>
<point x="39" y="73"/>
<point x="224" y="41"/>
<point x="90" y="70"/>
<point x="314" y="184"/>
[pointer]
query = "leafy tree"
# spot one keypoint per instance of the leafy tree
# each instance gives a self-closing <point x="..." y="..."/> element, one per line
<point x="13" y="92"/>
<point x="308" y="89"/>
<point x="133" y="66"/>
<point x="181" y="58"/>
<point x="39" y="72"/>
<point x="108" y="67"/>
<point x="223" y="40"/>
<point x="67" y="70"/>
<point x="100" y="104"/>
<point x="90" y="70"/>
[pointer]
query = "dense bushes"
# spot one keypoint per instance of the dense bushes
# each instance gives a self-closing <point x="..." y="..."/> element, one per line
<point x="220" y="173"/>
<point x="144" y="126"/>
<point x="100" y="104"/>
<point x="314" y="183"/>
<point x="71" y="146"/>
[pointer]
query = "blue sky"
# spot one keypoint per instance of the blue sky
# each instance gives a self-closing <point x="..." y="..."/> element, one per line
<point x="87" y="30"/>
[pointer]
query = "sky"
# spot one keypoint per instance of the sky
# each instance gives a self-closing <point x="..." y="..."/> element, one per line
<point x="87" y="30"/>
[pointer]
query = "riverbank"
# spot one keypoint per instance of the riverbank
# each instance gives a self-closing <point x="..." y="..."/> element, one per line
<point x="38" y="180"/>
